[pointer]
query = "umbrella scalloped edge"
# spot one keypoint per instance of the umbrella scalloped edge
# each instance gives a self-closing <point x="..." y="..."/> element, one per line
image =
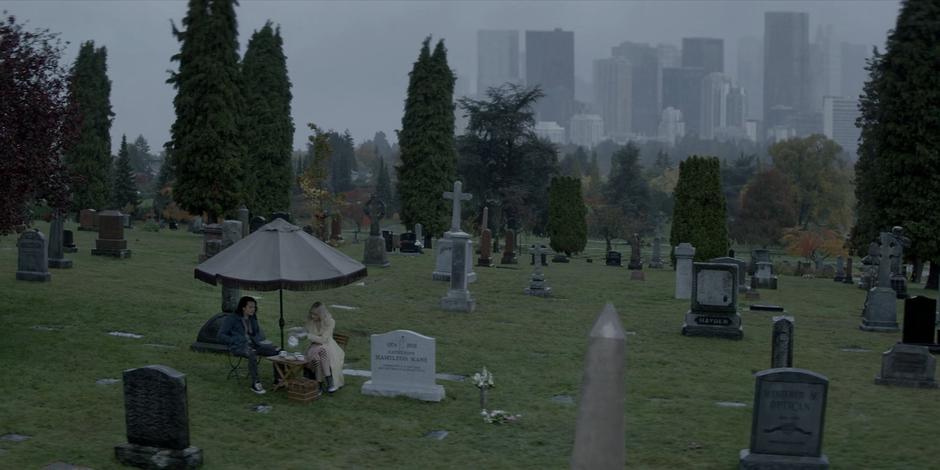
<point x="281" y="283"/>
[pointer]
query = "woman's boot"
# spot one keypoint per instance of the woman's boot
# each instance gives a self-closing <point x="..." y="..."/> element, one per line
<point x="330" y="388"/>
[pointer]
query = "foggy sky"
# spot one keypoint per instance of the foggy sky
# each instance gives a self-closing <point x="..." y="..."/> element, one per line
<point x="349" y="61"/>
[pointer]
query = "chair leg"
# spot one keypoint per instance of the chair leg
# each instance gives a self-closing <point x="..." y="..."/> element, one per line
<point x="234" y="363"/>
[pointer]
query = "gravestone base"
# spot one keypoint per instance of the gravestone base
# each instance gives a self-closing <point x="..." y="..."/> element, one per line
<point x="635" y="264"/>
<point x="899" y="284"/>
<point x="848" y="280"/>
<point x="754" y="461"/>
<point x="428" y="393"/>
<point x="637" y="276"/>
<point x="485" y="262"/>
<point x="713" y="325"/>
<point x="509" y="258"/>
<point x="880" y="311"/>
<point x="560" y="258"/>
<point x="70" y="249"/>
<point x="908" y="365"/>
<point x="457" y="301"/>
<point x="61" y="263"/>
<point x="375" y="252"/>
<point x="656" y="264"/>
<point x="764" y="283"/>
<point x="33" y="276"/>
<point x="906" y="382"/>
<point x="113" y="253"/>
<point x="135" y="455"/>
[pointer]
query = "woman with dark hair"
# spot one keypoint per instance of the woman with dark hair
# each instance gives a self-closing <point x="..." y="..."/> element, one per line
<point x="241" y="332"/>
<point x="327" y="368"/>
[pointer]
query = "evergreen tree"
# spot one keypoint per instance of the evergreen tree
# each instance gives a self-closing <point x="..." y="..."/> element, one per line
<point x="206" y="148"/>
<point x="768" y="206"/>
<point x="899" y="151"/>
<point x="269" y="129"/>
<point x="89" y="160"/>
<point x="699" y="215"/>
<point x="342" y="161"/>
<point x="595" y="185"/>
<point x="383" y="187"/>
<point x="567" y="215"/>
<point x="626" y="187"/>
<point x="123" y="188"/>
<point x="426" y="139"/>
<point x="140" y="156"/>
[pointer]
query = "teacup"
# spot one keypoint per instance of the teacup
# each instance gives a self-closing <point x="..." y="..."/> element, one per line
<point x="283" y="353"/>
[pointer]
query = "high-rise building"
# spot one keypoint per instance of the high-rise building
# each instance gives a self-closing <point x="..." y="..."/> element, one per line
<point x="707" y="53"/>
<point x="497" y="58"/>
<point x="646" y="86"/>
<point x="671" y="126"/>
<point x="839" y="115"/>
<point x="714" y="114"/>
<point x="786" y="68"/>
<point x="550" y="131"/>
<point x="824" y="68"/>
<point x="853" y="74"/>
<point x="550" y="65"/>
<point x="682" y="89"/>
<point x="737" y="107"/>
<point x="751" y="74"/>
<point x="587" y="130"/>
<point x="669" y="55"/>
<point x="612" y="95"/>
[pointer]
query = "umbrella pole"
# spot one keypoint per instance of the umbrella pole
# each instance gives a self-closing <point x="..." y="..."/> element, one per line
<point x="281" y="321"/>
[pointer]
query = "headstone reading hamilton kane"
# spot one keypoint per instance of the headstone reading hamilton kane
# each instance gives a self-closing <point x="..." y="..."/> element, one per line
<point x="111" y="241"/>
<point x="684" y="253"/>
<point x="787" y="421"/>
<point x="157" y="418"/>
<point x="32" y="257"/>
<point x="714" y="310"/>
<point x="403" y="364"/>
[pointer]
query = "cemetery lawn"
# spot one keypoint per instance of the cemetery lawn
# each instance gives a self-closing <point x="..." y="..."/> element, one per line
<point x="55" y="346"/>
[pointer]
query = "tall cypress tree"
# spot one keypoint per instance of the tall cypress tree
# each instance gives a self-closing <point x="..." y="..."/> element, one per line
<point x="383" y="187"/>
<point x="567" y="215"/>
<point x="206" y="148"/>
<point x="269" y="129"/>
<point x="699" y="215"/>
<point x="899" y="151"/>
<point x="426" y="139"/>
<point x="89" y="160"/>
<point x="123" y="189"/>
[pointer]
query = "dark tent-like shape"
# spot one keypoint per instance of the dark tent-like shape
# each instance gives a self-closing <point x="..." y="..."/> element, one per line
<point x="280" y="256"/>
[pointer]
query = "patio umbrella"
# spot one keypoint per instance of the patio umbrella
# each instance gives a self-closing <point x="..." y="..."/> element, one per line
<point x="280" y="256"/>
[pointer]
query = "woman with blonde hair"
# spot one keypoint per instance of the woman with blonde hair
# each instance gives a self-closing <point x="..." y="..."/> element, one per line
<point x="326" y="357"/>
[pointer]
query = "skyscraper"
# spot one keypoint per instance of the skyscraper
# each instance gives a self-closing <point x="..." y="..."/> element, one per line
<point x="853" y="74"/>
<point x="707" y="53"/>
<point x="497" y="58"/>
<point x="824" y="68"/>
<point x="550" y="65"/>
<point x="839" y="115"/>
<point x="715" y="89"/>
<point x="751" y="74"/>
<point x="612" y="95"/>
<point x="682" y="89"/>
<point x="646" y="86"/>
<point x="669" y="55"/>
<point x="786" y="67"/>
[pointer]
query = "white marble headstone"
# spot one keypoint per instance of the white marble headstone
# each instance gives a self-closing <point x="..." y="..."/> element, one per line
<point x="403" y="363"/>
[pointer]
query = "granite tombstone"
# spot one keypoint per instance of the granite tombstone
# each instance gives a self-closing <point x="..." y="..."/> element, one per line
<point x="32" y="260"/>
<point x="403" y="364"/>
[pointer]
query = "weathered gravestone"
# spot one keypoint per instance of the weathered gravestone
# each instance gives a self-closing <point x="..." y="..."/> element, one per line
<point x="419" y="232"/>
<point x="781" y="352"/>
<point x="458" y="298"/>
<point x="636" y="262"/>
<point x="336" y="229"/>
<point x="243" y="217"/>
<point x="787" y="424"/>
<point x="848" y="277"/>
<point x="742" y="268"/>
<point x="763" y="277"/>
<point x="387" y="241"/>
<point x="157" y="418"/>
<point x="656" y="259"/>
<point x="32" y="262"/>
<point x="684" y="253"/>
<point x="196" y="225"/>
<point x="486" y="249"/>
<point x="920" y="323"/>
<point x="758" y="255"/>
<point x="898" y="242"/>
<point x="509" y="248"/>
<point x="840" y="269"/>
<point x="537" y="285"/>
<point x="403" y="363"/>
<point x="880" y="312"/>
<point x="600" y="429"/>
<point x="57" y="257"/>
<point x="374" y="249"/>
<point x="211" y="241"/>
<point x="409" y="244"/>
<point x="68" y="242"/>
<point x="445" y="250"/>
<point x="714" y="309"/>
<point x="613" y="258"/>
<point x="87" y="220"/>
<point x="908" y="365"/>
<point x="111" y="241"/>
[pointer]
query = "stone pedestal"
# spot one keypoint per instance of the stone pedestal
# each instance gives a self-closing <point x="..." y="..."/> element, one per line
<point x="713" y="325"/>
<point x="56" y="250"/>
<point x="443" y="249"/>
<point x="374" y="252"/>
<point x="714" y="303"/>
<point x="880" y="313"/>
<point x="754" y="461"/>
<point x="458" y="298"/>
<point x="134" y="455"/>
<point x="111" y="240"/>
<point x="684" y="253"/>
<point x="537" y="286"/>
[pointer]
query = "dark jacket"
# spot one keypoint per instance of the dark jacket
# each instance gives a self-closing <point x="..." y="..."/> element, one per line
<point x="233" y="332"/>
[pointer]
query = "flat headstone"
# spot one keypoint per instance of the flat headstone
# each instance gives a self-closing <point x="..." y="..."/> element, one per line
<point x="45" y="328"/>
<point x="107" y="381"/>
<point x="124" y="334"/>
<point x="64" y="466"/>
<point x="855" y="350"/>
<point x="14" y="437"/>
<point x="437" y="435"/>
<point x="403" y="364"/>
<point x="766" y="308"/>
<point x="450" y="377"/>
<point x="730" y="404"/>
<point x="787" y="421"/>
<point x="344" y="307"/>
<point x="563" y="399"/>
<point x="161" y="346"/>
<point x="263" y="408"/>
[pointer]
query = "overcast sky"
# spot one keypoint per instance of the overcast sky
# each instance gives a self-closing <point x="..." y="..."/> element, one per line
<point x="349" y="61"/>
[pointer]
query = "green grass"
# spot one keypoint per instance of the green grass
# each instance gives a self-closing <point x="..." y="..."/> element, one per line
<point x="534" y="346"/>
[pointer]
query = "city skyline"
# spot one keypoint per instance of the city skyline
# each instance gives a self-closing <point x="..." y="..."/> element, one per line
<point x="349" y="62"/>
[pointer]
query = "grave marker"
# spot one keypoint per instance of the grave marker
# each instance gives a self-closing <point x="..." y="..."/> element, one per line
<point x="403" y="364"/>
<point x="714" y="302"/>
<point x="684" y="253"/>
<point x="111" y="241"/>
<point x="32" y="262"/>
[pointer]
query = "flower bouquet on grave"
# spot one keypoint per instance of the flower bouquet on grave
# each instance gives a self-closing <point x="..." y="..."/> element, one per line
<point x="484" y="381"/>
<point x="499" y="417"/>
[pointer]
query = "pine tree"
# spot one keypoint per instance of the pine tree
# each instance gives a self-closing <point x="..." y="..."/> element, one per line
<point x="383" y="187"/>
<point x="899" y="151"/>
<point x="206" y="148"/>
<point x="595" y="184"/>
<point x="342" y="161"/>
<point x="269" y="129"/>
<point x="626" y="187"/>
<point x="123" y="189"/>
<point x="567" y="215"/>
<point x="140" y="156"/>
<point x="699" y="215"/>
<point x="89" y="160"/>
<point x="426" y="139"/>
